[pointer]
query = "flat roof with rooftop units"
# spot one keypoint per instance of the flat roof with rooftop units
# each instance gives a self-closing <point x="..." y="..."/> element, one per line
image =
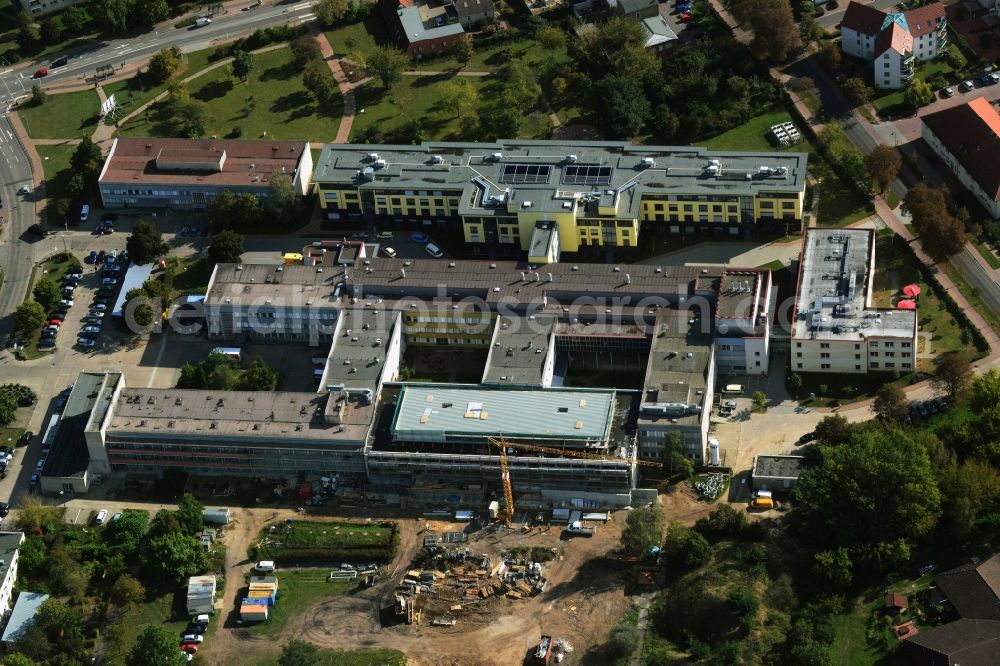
<point x="363" y="343"/>
<point x="676" y="381"/>
<point x="834" y="299"/>
<point x="521" y="352"/>
<point x="472" y="413"/>
<point x="558" y="175"/>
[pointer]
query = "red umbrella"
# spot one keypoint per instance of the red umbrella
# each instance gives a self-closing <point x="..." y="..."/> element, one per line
<point x="906" y="304"/>
<point x="911" y="290"/>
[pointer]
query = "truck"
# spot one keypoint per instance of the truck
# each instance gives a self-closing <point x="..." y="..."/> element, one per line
<point x="202" y="21"/>
<point x="577" y="527"/>
<point x="762" y="503"/>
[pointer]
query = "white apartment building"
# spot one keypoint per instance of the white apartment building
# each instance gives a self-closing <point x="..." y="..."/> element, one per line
<point x="10" y="544"/>
<point x="835" y="327"/>
<point x="967" y="138"/>
<point x="43" y="7"/>
<point x="894" y="42"/>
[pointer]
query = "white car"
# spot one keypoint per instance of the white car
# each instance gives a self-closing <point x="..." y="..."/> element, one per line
<point x="25" y="189"/>
<point x="434" y="250"/>
<point x="68" y="302"/>
<point x="101" y="515"/>
<point x="192" y="638"/>
<point x="389" y="252"/>
<point x="84" y="212"/>
<point x="39" y="465"/>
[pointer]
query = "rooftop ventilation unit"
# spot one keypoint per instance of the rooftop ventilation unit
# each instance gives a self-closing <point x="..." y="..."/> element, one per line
<point x="495" y="157"/>
<point x="647" y="162"/>
<point x="437" y="159"/>
<point x="571" y="158"/>
<point x="371" y="157"/>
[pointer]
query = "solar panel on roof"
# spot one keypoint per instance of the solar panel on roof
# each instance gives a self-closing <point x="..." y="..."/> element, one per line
<point x="525" y="173"/>
<point x="586" y="174"/>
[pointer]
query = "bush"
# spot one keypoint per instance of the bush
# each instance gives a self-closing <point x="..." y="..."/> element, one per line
<point x="621" y="641"/>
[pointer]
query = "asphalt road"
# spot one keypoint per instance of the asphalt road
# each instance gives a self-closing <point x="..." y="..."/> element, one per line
<point x="977" y="276"/>
<point x="19" y="211"/>
<point x="84" y="61"/>
<point x="831" y="19"/>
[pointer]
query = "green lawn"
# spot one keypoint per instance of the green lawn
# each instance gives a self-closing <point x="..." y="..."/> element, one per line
<point x="297" y="590"/>
<point x="986" y="254"/>
<point x="56" y="267"/>
<point x="157" y="611"/>
<point x="65" y="116"/>
<point x="413" y="97"/>
<point x="897" y="267"/>
<point x="273" y="103"/>
<point x="55" y="161"/>
<point x="9" y="436"/>
<point x="358" y="38"/>
<point x="491" y="57"/>
<point x="850" y="646"/>
<point x="304" y="534"/>
<point x="891" y="98"/>
<point x="193" y="274"/>
<point x="839" y="203"/>
<point x="972" y="294"/>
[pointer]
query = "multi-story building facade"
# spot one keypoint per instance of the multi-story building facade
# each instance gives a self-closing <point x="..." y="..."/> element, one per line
<point x="10" y="547"/>
<point x="188" y="173"/>
<point x="967" y="138"/>
<point x="894" y="41"/>
<point x="43" y="7"/>
<point x="589" y="194"/>
<point x="836" y="328"/>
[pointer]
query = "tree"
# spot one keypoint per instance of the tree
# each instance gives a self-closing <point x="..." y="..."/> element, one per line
<point x="623" y="105"/>
<point x="28" y="317"/>
<point x="952" y="375"/>
<point x="184" y="117"/>
<point x="985" y="391"/>
<point x="460" y="95"/>
<point x="759" y="399"/>
<point x="145" y="243"/>
<point x="941" y="234"/>
<point x="331" y="12"/>
<point x="283" y="200"/>
<point x="673" y="453"/>
<point x="38" y="96"/>
<point x="191" y="512"/>
<point x="164" y="64"/>
<point x="226" y="247"/>
<point x="155" y="646"/>
<point x="621" y="641"/>
<point x="305" y="49"/>
<point x="62" y="626"/>
<point x="809" y="30"/>
<point x="87" y="156"/>
<point x="883" y="163"/>
<point x="142" y="314"/>
<point x="386" y="64"/>
<point x="643" y="529"/>
<point x="920" y="93"/>
<point x="174" y="557"/>
<point x="242" y="64"/>
<point x="125" y="534"/>
<point x="230" y="211"/>
<point x="890" y="403"/>
<point x="28" y="38"/>
<point x="858" y="92"/>
<point x="18" y="659"/>
<point x="829" y="57"/>
<point x="878" y="487"/>
<point x="616" y="47"/>
<point x="46" y="293"/>
<point x="499" y="119"/>
<point x="299" y="653"/>
<point x="955" y="58"/>
<point x="8" y="409"/>
<point x="113" y="14"/>
<point x="259" y="377"/>
<point x="724" y="522"/>
<point x="551" y="38"/>
<point x="775" y="36"/>
<point x="464" y="49"/>
<point x="50" y="31"/>
<point x="834" y="569"/>
<point x="318" y="79"/>
<point x="684" y="548"/>
<point x="75" y="19"/>
<point x="127" y="591"/>
<point x="833" y="430"/>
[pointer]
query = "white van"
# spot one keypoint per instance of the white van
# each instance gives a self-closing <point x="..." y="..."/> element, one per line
<point x="202" y="21"/>
<point x="265" y="565"/>
<point x="733" y="388"/>
<point x="101" y="515"/>
<point x="434" y="250"/>
<point x="761" y="494"/>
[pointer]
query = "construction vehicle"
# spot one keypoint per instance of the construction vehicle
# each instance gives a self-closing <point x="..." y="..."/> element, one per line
<point x="506" y="513"/>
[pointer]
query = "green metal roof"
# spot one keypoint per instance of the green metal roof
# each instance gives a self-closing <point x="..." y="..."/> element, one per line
<point x="435" y="413"/>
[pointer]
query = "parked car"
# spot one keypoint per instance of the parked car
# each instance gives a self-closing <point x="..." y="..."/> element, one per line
<point x="101" y="515"/>
<point x="34" y="480"/>
<point x="685" y="17"/>
<point x="966" y="86"/>
<point x="109" y="281"/>
<point x="25" y="189"/>
<point x="91" y="258"/>
<point x="433" y="250"/>
<point x="55" y="321"/>
<point x="101" y="256"/>
<point x="39" y="230"/>
<point x="196" y="628"/>
<point x="91" y="329"/>
<point x="389" y="252"/>
<point x="68" y="302"/>
<point x="84" y="212"/>
<point x="115" y="517"/>
<point x="4" y="509"/>
<point x="192" y="638"/>
<point x="39" y="465"/>
<point x="418" y="237"/>
<point x="385" y="235"/>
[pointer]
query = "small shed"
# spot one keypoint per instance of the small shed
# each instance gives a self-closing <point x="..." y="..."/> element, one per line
<point x="253" y="610"/>
<point x="896" y="602"/>
<point x="216" y="516"/>
<point x="905" y="630"/>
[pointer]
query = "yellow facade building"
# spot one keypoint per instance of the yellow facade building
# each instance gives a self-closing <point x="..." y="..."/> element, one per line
<point x="547" y="197"/>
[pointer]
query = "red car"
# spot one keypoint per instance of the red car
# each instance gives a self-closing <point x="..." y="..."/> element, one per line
<point x="42" y="71"/>
<point x="54" y="322"/>
<point x="685" y="17"/>
<point x="190" y="648"/>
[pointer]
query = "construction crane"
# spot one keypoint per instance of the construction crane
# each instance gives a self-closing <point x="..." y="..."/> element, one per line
<point x="506" y="515"/>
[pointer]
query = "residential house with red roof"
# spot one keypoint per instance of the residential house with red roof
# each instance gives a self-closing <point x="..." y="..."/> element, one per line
<point x="893" y="41"/>
<point x="967" y="138"/>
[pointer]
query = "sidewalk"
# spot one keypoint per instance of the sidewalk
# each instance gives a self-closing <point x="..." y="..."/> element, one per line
<point x="346" y="87"/>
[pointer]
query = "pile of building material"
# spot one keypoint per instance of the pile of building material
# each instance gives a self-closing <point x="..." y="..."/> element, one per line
<point x="201" y="595"/>
<point x="462" y="580"/>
